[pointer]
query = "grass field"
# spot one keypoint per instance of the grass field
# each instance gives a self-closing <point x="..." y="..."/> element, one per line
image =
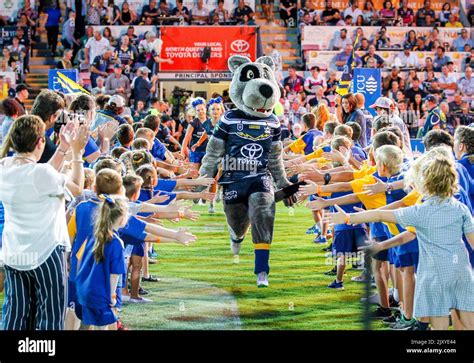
<point x="296" y="299"/>
<point x="202" y="287"/>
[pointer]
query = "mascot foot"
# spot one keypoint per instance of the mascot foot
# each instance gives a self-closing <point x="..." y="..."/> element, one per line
<point x="262" y="279"/>
<point x="235" y="248"/>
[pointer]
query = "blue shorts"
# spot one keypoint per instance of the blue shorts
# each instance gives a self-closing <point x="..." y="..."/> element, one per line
<point x="348" y="240"/>
<point x="97" y="317"/>
<point x="196" y="156"/>
<point x="381" y="255"/>
<point x="139" y="250"/>
<point x="406" y="260"/>
<point x="71" y="294"/>
<point x="165" y="185"/>
<point x="392" y="256"/>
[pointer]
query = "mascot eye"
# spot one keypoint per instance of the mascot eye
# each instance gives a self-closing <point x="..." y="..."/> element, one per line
<point x="250" y="74"/>
<point x="266" y="74"/>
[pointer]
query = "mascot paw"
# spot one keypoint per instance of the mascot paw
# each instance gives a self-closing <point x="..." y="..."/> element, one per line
<point x="291" y="201"/>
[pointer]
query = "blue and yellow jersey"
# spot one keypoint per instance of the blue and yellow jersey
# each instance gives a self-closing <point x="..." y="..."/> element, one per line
<point x="364" y="170"/>
<point x="318" y="153"/>
<point x="381" y="200"/>
<point x="147" y="194"/>
<point x="304" y="145"/>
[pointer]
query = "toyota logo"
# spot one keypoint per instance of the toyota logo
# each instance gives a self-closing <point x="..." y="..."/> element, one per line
<point x="239" y="46"/>
<point x="251" y="151"/>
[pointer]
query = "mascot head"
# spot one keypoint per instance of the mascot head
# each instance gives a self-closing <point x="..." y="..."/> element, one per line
<point x="254" y="88"/>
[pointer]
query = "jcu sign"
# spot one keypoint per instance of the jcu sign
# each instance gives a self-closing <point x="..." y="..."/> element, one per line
<point x="368" y="81"/>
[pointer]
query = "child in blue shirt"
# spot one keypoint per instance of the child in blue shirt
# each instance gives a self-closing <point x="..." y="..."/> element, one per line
<point x="101" y="267"/>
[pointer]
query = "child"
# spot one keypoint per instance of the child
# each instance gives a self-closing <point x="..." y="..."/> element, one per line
<point x="101" y="267"/>
<point x="444" y="275"/>
<point x="464" y="148"/>
<point x="304" y="145"/>
<point x="153" y="185"/>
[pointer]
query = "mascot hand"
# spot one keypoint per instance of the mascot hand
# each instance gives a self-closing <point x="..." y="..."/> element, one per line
<point x="289" y="202"/>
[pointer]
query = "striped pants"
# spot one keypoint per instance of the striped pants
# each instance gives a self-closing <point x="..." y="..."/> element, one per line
<point x="36" y="299"/>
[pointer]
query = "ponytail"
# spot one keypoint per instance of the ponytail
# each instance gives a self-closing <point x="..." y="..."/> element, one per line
<point x="110" y="211"/>
<point x="6" y="146"/>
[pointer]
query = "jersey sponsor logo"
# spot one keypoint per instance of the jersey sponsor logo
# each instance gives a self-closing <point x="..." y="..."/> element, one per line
<point x="252" y="151"/>
<point x="230" y="195"/>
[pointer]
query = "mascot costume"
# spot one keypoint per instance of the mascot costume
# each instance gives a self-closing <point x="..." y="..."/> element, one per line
<point x="247" y="139"/>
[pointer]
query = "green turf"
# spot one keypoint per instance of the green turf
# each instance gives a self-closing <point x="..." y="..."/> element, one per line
<point x="202" y="288"/>
<point x="297" y="297"/>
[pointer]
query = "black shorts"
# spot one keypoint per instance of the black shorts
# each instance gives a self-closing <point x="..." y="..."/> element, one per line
<point x="239" y="191"/>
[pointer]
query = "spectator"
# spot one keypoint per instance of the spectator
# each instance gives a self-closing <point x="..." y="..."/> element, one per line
<point x="470" y="15"/>
<point x="342" y="40"/>
<point x="360" y="21"/>
<point x="453" y="22"/>
<point x="447" y="81"/>
<point x="351" y="113"/>
<point x="410" y="40"/>
<point x="420" y="45"/>
<point x="424" y="12"/>
<point x="331" y="83"/>
<point x="96" y="46"/>
<point x="409" y="118"/>
<point x="150" y="10"/>
<point x="29" y="13"/>
<point x="455" y="106"/>
<point x="381" y="39"/>
<point x="119" y="84"/>
<point x="126" y="54"/>
<point x="48" y="106"/>
<point x="440" y="59"/>
<point x="200" y="14"/>
<point x="330" y="15"/>
<point x="267" y="7"/>
<point x="242" y="10"/>
<point x="466" y="83"/>
<point x="35" y="238"/>
<point x="435" y="118"/>
<point x="318" y="97"/>
<point x="293" y="83"/>
<point x="107" y="34"/>
<point x="142" y="87"/>
<point x="445" y="13"/>
<point x="363" y="45"/>
<point x="22" y="94"/>
<point x="113" y="13"/>
<point x="434" y="41"/>
<point x="65" y="62"/>
<point x="406" y="14"/>
<point x="346" y="21"/>
<point x="68" y="39"/>
<point x="342" y="57"/>
<point x="466" y="116"/>
<point x="246" y="20"/>
<point x="406" y="59"/>
<point x="461" y="40"/>
<point x="127" y="15"/>
<point x="388" y="11"/>
<point x="183" y="13"/>
<point x="93" y="13"/>
<point x="414" y="90"/>
<point x="372" y="54"/>
<point x="11" y="109"/>
<point x="394" y="76"/>
<point x="111" y="112"/>
<point x="368" y="12"/>
<point x="52" y="19"/>
<point x="101" y="64"/>
<point x="429" y="79"/>
<point x="316" y="79"/>
<point x="100" y="88"/>
<point x="276" y="56"/>
<point x="353" y="10"/>
<point x="164" y="8"/>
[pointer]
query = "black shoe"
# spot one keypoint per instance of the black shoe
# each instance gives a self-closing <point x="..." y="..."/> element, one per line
<point x="332" y="272"/>
<point x="327" y="249"/>
<point x="381" y="312"/>
<point x="142" y="291"/>
<point x="393" y="303"/>
<point x="419" y="326"/>
<point x="393" y="318"/>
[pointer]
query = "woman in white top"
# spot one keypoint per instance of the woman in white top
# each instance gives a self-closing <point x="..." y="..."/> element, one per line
<point x="35" y="236"/>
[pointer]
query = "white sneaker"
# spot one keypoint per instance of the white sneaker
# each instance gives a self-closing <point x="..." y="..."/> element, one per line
<point x="235" y="248"/>
<point x="140" y="300"/>
<point x="125" y="298"/>
<point x="262" y="279"/>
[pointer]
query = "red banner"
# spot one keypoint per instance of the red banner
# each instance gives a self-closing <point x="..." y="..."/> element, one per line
<point x="205" y="48"/>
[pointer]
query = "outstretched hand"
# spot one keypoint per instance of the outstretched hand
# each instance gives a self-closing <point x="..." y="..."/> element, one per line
<point x="339" y="217"/>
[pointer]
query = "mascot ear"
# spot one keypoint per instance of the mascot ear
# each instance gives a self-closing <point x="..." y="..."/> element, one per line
<point x="236" y="61"/>
<point x="268" y="61"/>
